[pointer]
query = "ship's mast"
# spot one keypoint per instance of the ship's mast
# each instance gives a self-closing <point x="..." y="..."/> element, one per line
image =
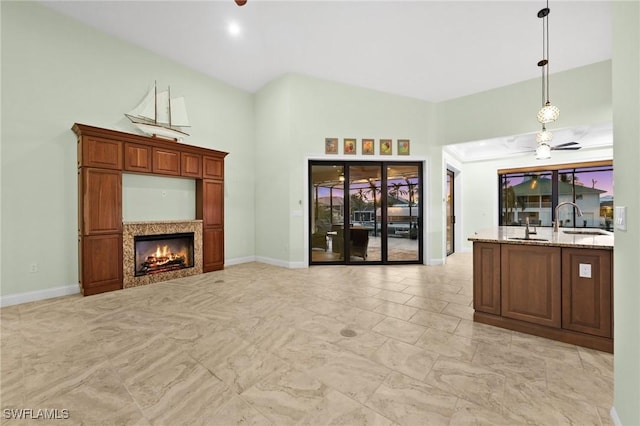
<point x="155" y="102"/>
<point x="169" y="101"/>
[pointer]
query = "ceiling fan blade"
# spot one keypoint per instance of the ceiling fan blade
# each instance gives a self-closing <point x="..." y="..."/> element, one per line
<point x="566" y="144"/>
<point x="567" y="148"/>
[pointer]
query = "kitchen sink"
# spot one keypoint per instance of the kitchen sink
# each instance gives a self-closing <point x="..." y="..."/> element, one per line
<point x="585" y="232"/>
<point x="527" y="239"/>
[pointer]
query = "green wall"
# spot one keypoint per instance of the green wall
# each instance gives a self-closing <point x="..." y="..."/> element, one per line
<point x="626" y="133"/>
<point x="56" y="71"/>
<point x="294" y="114"/>
<point x="582" y="94"/>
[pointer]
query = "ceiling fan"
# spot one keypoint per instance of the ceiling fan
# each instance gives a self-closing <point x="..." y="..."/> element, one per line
<point x="565" y="146"/>
<point x="543" y="150"/>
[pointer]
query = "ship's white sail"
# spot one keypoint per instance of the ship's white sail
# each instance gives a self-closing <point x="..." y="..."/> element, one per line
<point x="146" y="109"/>
<point x="159" y="115"/>
<point x="179" y="112"/>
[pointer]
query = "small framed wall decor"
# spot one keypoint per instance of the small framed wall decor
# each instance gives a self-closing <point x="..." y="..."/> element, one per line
<point x="331" y="145"/>
<point x="368" y="146"/>
<point x="386" y="146"/>
<point x="403" y="146"/>
<point x="350" y="146"/>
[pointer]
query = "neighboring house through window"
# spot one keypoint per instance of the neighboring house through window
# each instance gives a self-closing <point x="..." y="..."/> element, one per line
<point x="535" y="193"/>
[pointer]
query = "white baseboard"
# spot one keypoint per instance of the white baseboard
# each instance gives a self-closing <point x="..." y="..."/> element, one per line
<point x="435" y="262"/>
<point x="614" y="417"/>
<point x="281" y="263"/>
<point x="34" y="296"/>
<point x="239" y="260"/>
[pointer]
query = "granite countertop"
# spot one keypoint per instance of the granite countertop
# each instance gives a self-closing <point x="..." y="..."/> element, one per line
<point x="565" y="237"/>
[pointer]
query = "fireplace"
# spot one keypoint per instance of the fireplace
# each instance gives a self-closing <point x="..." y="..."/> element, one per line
<point x="141" y="240"/>
<point x="159" y="253"/>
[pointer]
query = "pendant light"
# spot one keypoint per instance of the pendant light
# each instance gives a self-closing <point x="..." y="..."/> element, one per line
<point x="548" y="113"/>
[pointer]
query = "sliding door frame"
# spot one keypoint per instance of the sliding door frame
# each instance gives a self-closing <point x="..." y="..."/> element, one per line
<point x="382" y="163"/>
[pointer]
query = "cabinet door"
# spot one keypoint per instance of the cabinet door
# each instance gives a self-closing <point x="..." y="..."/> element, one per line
<point x="101" y="263"/>
<point x="101" y="201"/>
<point x="586" y="296"/>
<point x="166" y="161"/>
<point x="486" y="277"/>
<point x="212" y="168"/>
<point x="531" y="288"/>
<point x="210" y="202"/>
<point x="212" y="249"/>
<point x="137" y="158"/>
<point x="191" y="165"/>
<point x="98" y="152"/>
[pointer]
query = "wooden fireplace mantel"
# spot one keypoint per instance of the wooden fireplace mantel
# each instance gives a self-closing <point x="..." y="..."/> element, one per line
<point x="103" y="155"/>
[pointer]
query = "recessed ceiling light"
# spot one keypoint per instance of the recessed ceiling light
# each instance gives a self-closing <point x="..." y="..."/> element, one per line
<point x="234" y="29"/>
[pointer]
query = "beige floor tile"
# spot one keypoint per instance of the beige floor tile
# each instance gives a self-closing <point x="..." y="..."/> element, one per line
<point x="427" y="287"/>
<point x="351" y="374"/>
<point x="359" y="318"/>
<point x="364" y="343"/>
<point x="400" y="330"/>
<point x="577" y="384"/>
<point x="467" y="381"/>
<point x="405" y="358"/>
<point x="244" y="368"/>
<point x="337" y="409"/>
<point x="478" y="332"/>
<point x="408" y="402"/>
<point x="396" y="310"/>
<point x="532" y="403"/>
<point x="442" y="322"/>
<point x="95" y="398"/>
<point x="459" y="311"/>
<point x="510" y="361"/>
<point x="447" y="344"/>
<point x="393" y="296"/>
<point x="238" y="412"/>
<point x="596" y="362"/>
<point x="286" y="396"/>
<point x="428" y="304"/>
<point x="468" y="413"/>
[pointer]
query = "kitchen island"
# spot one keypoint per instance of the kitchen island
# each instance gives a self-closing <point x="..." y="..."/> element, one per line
<point x="557" y="285"/>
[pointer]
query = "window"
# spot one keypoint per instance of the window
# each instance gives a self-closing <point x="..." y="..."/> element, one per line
<point x="535" y="193"/>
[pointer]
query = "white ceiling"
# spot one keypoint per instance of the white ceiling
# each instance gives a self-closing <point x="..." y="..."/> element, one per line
<point x="431" y="50"/>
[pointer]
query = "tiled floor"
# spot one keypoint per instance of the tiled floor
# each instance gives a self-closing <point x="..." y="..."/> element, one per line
<point x="258" y="344"/>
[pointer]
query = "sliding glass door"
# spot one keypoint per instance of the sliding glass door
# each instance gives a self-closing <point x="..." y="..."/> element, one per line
<point x="451" y="217"/>
<point x="365" y="212"/>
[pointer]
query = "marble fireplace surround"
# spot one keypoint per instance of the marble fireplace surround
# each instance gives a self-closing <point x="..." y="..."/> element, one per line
<point x="133" y="229"/>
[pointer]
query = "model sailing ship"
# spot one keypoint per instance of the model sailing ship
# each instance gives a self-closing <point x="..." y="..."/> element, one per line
<point x="161" y="116"/>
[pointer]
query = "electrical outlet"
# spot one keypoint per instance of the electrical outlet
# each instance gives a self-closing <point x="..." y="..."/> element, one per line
<point x="33" y="268"/>
<point x="585" y="270"/>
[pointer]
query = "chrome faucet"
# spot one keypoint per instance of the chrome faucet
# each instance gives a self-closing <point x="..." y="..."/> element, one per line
<point x="555" y="224"/>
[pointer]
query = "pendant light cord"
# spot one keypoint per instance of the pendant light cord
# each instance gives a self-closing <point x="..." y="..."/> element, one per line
<point x="546" y="21"/>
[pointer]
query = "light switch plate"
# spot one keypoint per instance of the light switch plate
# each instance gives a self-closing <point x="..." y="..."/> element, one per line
<point x="585" y="270"/>
<point x="621" y="218"/>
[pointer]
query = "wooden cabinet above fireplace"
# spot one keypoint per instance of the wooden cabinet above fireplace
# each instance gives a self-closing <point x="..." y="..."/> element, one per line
<point x="103" y="155"/>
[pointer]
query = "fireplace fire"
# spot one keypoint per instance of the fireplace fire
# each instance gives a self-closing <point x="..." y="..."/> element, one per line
<point x="162" y="253"/>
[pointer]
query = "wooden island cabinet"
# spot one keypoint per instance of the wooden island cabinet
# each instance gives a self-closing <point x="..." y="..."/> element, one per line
<point x="103" y="155"/>
<point x="558" y="288"/>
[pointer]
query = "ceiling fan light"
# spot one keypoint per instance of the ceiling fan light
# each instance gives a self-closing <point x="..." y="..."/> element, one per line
<point x="548" y="113"/>
<point x="544" y="136"/>
<point x="543" y="151"/>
